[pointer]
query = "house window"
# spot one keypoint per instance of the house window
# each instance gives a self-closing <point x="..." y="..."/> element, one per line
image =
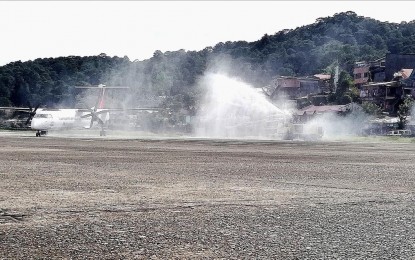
<point x="358" y="75"/>
<point x="366" y="75"/>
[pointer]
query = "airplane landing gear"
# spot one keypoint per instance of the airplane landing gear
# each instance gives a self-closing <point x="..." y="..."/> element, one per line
<point x="39" y="133"/>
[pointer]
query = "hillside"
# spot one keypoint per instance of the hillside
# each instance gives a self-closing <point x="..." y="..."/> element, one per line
<point x="343" y="38"/>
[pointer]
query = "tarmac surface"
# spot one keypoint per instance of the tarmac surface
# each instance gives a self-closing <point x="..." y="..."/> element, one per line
<point x="108" y="198"/>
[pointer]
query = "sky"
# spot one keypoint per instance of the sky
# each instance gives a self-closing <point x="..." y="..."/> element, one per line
<point x="43" y="29"/>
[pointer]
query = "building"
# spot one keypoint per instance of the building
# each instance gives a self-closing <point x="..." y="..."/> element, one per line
<point x="308" y="113"/>
<point x="324" y="82"/>
<point x="388" y="80"/>
<point x="361" y="73"/>
<point x="385" y="95"/>
<point x="297" y="87"/>
<point x="380" y="126"/>
<point x="388" y="95"/>
<point x="395" y="62"/>
<point x="377" y="70"/>
<point x="403" y="73"/>
<point x="409" y="82"/>
<point x="373" y="71"/>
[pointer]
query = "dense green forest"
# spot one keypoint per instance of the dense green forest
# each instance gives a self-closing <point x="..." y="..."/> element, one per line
<point x="343" y="38"/>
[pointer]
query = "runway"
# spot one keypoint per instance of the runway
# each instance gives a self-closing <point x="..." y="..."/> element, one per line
<point x="163" y="198"/>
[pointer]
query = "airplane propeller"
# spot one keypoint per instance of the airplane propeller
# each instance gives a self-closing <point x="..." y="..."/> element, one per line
<point x="32" y="112"/>
<point x="94" y="117"/>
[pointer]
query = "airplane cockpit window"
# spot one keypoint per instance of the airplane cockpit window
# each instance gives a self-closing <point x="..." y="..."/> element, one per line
<point x="43" y="116"/>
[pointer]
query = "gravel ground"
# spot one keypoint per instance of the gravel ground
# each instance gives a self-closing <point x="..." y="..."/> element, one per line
<point x="95" y="198"/>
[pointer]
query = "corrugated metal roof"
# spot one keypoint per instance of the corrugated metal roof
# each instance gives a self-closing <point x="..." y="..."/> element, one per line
<point x="406" y="73"/>
<point x="322" y="109"/>
<point x="323" y="76"/>
<point x="379" y="84"/>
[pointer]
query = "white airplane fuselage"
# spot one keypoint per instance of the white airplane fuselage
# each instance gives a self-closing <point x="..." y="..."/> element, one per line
<point x="58" y="119"/>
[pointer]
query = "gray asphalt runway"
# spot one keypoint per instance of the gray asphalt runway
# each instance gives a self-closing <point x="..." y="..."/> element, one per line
<point x="97" y="198"/>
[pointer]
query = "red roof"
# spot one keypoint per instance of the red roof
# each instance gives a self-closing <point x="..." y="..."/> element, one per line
<point x="406" y="73"/>
<point x="323" y="76"/>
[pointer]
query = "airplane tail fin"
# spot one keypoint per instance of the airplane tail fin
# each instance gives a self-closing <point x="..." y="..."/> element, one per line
<point x="101" y="98"/>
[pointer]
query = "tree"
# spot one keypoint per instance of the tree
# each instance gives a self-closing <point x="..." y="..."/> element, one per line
<point x="306" y="50"/>
<point x="404" y="111"/>
<point x="344" y="91"/>
<point x="371" y="109"/>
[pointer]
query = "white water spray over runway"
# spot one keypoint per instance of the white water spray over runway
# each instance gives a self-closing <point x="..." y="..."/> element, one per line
<point x="234" y="109"/>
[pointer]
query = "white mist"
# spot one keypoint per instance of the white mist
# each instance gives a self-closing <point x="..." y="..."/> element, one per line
<point x="233" y="109"/>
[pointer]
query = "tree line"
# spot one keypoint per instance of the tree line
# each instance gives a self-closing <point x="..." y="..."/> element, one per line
<point x="342" y="39"/>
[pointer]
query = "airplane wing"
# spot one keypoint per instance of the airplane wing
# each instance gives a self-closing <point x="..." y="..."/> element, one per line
<point x="100" y="86"/>
<point x="97" y="87"/>
<point x="103" y="110"/>
<point x="140" y="108"/>
<point x="24" y="109"/>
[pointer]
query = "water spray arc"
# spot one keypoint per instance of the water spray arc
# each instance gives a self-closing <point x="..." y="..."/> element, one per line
<point x="233" y="109"/>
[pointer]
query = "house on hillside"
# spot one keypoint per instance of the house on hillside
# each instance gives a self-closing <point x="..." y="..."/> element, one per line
<point x="385" y="95"/>
<point x="388" y="95"/>
<point x="361" y="73"/>
<point x="373" y="71"/>
<point x="383" y="69"/>
<point x="324" y="82"/>
<point x="396" y="62"/>
<point x="385" y="82"/>
<point x="296" y="87"/>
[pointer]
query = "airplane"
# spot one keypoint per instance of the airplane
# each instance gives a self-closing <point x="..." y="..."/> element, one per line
<point x="43" y="119"/>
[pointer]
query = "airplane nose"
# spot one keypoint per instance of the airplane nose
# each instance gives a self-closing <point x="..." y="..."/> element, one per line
<point x="37" y="124"/>
<point x="34" y="124"/>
